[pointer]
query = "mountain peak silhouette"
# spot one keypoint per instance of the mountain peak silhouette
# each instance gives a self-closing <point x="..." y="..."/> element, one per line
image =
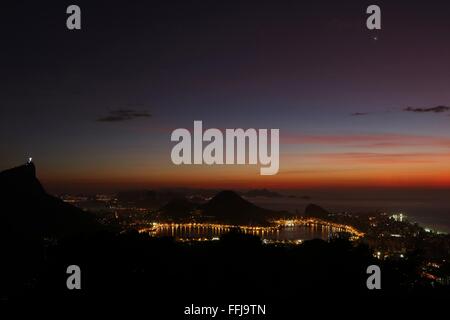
<point x="26" y="208"/>
<point x="21" y="179"/>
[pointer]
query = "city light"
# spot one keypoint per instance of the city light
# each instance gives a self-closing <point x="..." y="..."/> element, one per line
<point x="154" y="227"/>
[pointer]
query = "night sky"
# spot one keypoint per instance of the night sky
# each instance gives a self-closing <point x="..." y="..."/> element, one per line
<point x="95" y="107"/>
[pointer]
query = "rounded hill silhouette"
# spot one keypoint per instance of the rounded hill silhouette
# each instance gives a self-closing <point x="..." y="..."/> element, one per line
<point x="227" y="206"/>
<point x="313" y="210"/>
<point x="178" y="208"/>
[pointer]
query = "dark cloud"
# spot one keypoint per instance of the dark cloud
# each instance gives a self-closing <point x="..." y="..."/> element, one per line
<point x="124" y="115"/>
<point x="437" y="109"/>
<point x="355" y="114"/>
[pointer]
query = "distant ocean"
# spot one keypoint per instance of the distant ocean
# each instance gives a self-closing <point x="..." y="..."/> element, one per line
<point x="429" y="208"/>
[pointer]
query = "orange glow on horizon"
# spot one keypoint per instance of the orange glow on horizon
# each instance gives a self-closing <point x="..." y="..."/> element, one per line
<point x="438" y="178"/>
<point x="391" y="161"/>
